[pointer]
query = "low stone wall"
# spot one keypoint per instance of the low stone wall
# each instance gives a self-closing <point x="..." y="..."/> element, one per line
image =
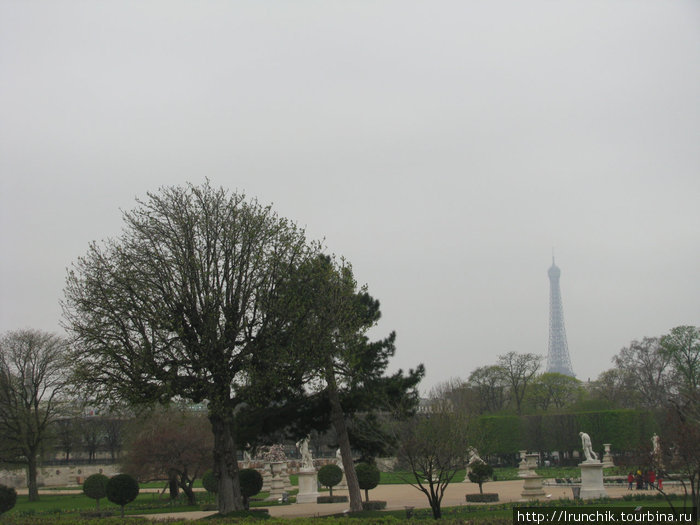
<point x="56" y="476"/>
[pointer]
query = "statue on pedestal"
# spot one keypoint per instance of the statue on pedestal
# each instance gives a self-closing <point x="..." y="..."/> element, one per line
<point x="587" y="447"/>
<point x="307" y="460"/>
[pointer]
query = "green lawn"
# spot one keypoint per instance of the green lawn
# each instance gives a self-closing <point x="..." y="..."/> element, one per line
<point x="75" y="503"/>
<point x="499" y="474"/>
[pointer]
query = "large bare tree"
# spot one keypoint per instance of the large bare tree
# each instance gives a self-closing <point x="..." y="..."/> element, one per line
<point x="33" y="370"/>
<point x="519" y="370"/>
<point x="490" y="385"/>
<point x="185" y="304"/>
<point x="648" y="371"/>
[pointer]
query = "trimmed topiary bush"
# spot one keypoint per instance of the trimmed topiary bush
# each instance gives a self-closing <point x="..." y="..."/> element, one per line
<point x="209" y="482"/>
<point x="486" y="497"/>
<point x="480" y="473"/>
<point x="368" y="477"/>
<point x="8" y="498"/>
<point x="251" y="483"/>
<point x="373" y="505"/>
<point x="95" y="487"/>
<point x="331" y="499"/>
<point x="329" y="476"/>
<point x="122" y="489"/>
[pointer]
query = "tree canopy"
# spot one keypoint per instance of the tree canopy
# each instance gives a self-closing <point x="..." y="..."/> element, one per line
<point x="186" y="304"/>
<point x="344" y="369"/>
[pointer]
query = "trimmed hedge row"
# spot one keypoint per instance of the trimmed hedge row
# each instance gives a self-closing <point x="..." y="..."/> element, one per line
<point x="486" y="497"/>
<point x="623" y="429"/>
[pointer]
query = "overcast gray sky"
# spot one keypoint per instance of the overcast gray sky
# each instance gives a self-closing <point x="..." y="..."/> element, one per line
<point x="443" y="147"/>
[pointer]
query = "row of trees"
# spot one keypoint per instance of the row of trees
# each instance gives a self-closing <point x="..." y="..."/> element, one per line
<point x="208" y="297"/>
<point x="515" y="384"/>
<point x="654" y="387"/>
<point x="646" y="375"/>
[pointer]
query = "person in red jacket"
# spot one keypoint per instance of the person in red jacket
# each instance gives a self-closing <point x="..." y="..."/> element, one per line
<point x="630" y="481"/>
<point x="652" y="479"/>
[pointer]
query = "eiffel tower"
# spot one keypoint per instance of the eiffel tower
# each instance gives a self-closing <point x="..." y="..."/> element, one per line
<point x="558" y="359"/>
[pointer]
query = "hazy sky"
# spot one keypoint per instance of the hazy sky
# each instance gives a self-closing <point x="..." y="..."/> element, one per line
<point x="444" y="148"/>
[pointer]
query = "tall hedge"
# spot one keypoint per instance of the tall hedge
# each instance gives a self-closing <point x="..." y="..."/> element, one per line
<point x="623" y="429"/>
<point x="500" y="434"/>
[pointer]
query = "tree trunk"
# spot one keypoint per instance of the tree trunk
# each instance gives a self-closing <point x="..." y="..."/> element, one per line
<point x="173" y="487"/>
<point x="338" y="419"/>
<point x="226" y="464"/>
<point x="435" y="506"/>
<point x="31" y="478"/>
<point x="187" y="489"/>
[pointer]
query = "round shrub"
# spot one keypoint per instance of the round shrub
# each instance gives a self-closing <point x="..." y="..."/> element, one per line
<point x="209" y="482"/>
<point x="368" y="477"/>
<point x="122" y="489"/>
<point x="251" y="483"/>
<point x="8" y="498"/>
<point x="329" y="476"/>
<point x="95" y="487"/>
<point x="480" y="473"/>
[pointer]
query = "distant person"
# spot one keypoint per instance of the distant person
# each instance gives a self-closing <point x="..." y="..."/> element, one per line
<point x="630" y="481"/>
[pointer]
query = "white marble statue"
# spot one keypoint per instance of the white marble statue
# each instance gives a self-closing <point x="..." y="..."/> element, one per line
<point x="656" y="444"/>
<point x="474" y="456"/>
<point x="339" y="460"/>
<point x="307" y="460"/>
<point x="587" y="447"/>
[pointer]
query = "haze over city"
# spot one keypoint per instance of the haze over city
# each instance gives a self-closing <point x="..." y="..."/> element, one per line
<point x="446" y="149"/>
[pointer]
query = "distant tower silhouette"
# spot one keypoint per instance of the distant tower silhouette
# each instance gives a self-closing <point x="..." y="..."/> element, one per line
<point x="558" y="358"/>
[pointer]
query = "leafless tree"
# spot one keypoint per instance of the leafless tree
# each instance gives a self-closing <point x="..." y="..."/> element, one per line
<point x="647" y="370"/>
<point x="519" y="370"/>
<point x="32" y="384"/>
<point x="170" y="444"/>
<point x="433" y="446"/>
<point x="489" y="382"/>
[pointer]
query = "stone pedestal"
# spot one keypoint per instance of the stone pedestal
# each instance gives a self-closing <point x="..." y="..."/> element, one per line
<point x="308" y="487"/>
<point x="527" y="466"/>
<point x="523" y="466"/>
<point x="592" y="480"/>
<point x="532" y="487"/>
<point x="267" y="480"/>
<point x="532" y="483"/>
<point x="607" y="457"/>
<point x="277" y="482"/>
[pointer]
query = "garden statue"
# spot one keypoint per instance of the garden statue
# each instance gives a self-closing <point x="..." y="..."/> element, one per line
<point x="307" y="460"/>
<point x="587" y="448"/>
<point x="474" y="456"/>
<point x="339" y="460"/>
